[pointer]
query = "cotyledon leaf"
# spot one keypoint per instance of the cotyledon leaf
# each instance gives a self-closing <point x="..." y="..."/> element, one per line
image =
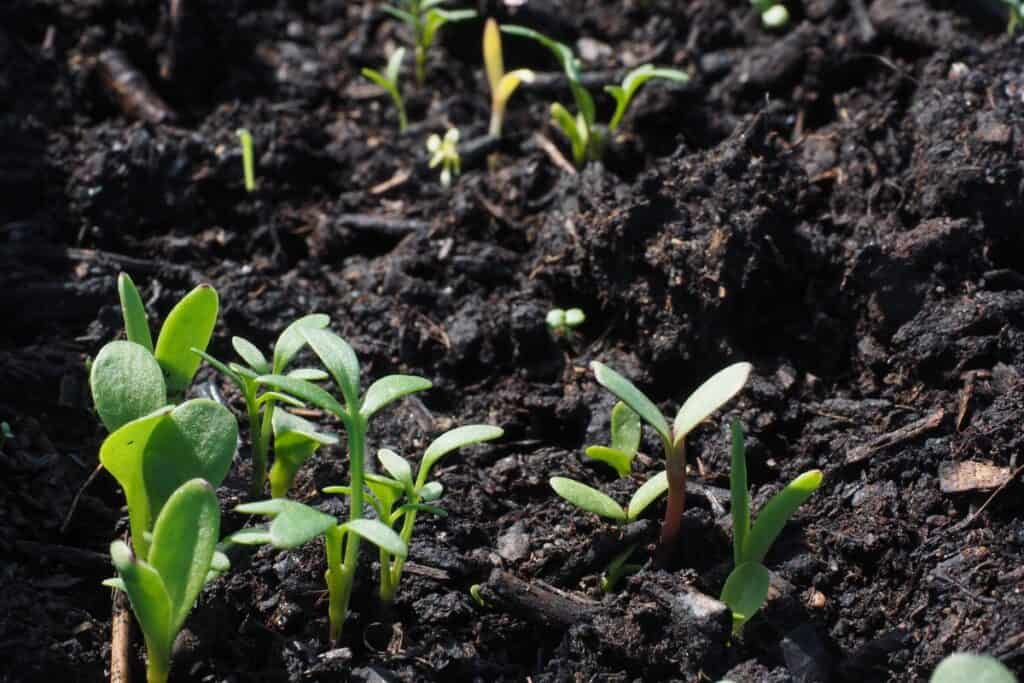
<point x="189" y="325"/>
<point x="126" y="383"/>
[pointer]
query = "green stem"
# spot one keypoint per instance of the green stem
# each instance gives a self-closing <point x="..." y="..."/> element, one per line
<point x="398" y="564"/>
<point x="335" y="587"/>
<point x="421" y="66"/>
<point x="158" y="663"/>
<point x="347" y="570"/>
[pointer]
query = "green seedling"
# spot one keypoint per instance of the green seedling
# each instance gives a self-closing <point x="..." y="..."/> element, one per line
<point x="424" y="19"/>
<point x="444" y="152"/>
<point x="1015" y="9"/>
<point x="5" y="434"/>
<point x="773" y="14"/>
<point x="401" y="496"/>
<point x="130" y="379"/>
<point x="746" y="588"/>
<point x="591" y="500"/>
<point x="248" y="159"/>
<point x="964" y="667"/>
<point x="295" y="442"/>
<point x="626" y="428"/>
<point x="562" y="322"/>
<point x="618" y="569"/>
<point x="708" y="398"/>
<point x="585" y="136"/>
<point x="389" y="82"/>
<point x="502" y="84"/>
<point x="259" y="403"/>
<point x="474" y="592"/>
<point x="163" y="587"/>
<point x="354" y="412"/>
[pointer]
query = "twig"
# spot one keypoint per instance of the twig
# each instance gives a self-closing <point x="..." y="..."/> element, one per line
<point x="130" y="88"/>
<point x="120" y="640"/>
<point x="905" y="433"/>
<point x="556" y="156"/>
<point x="390" y="227"/>
<point x="536" y="601"/>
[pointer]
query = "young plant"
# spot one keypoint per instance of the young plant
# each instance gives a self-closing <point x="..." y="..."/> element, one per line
<point x="130" y="379"/>
<point x="389" y="82"/>
<point x="773" y="14"/>
<point x="445" y="153"/>
<point x="411" y="495"/>
<point x="746" y="588"/>
<point x="708" y="398"/>
<point x="354" y="412"/>
<point x="1015" y="9"/>
<point x="248" y="159"/>
<point x="626" y="428"/>
<point x="295" y="442"/>
<point x="163" y="587"/>
<point x="259" y="404"/>
<point x="618" y="569"/>
<point x="502" y="84"/>
<point x="424" y="19"/>
<point x="585" y="136"/>
<point x="589" y="499"/>
<point x="563" y="322"/>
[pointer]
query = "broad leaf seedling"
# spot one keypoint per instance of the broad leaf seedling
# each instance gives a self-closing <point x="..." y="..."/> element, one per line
<point x="591" y="500"/>
<point x="389" y="82"/>
<point x="444" y="152"/>
<point x="626" y="429"/>
<point x="502" y="84"/>
<point x="424" y="19"/>
<point x="295" y="442"/>
<point x="563" y="322"/>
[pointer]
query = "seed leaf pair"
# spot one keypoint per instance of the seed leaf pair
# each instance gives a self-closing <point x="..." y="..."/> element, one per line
<point x="591" y="500"/>
<point x="626" y="429"/>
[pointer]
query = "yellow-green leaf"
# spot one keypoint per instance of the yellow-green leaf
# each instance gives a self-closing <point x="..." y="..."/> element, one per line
<point x="189" y="324"/>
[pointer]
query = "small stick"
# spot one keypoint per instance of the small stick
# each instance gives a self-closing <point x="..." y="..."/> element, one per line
<point x="905" y="433"/>
<point x="536" y="601"/>
<point x="390" y="227"/>
<point x="120" y="640"/>
<point x="131" y="89"/>
<point x="556" y="156"/>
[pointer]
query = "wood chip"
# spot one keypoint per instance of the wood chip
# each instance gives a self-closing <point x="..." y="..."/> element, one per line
<point x="964" y="477"/>
<point x="905" y="433"/>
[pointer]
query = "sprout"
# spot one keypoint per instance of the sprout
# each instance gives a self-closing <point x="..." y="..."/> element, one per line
<point x="708" y="398"/>
<point x="746" y="588"/>
<point x="563" y="322"/>
<point x="502" y="84"/>
<point x="618" y="569"/>
<point x="295" y="442"/>
<point x="182" y="558"/>
<point x="425" y="18"/>
<point x="445" y="152"/>
<point x="259" y="403"/>
<point x="625" y="444"/>
<point x="1015" y="10"/>
<point x="389" y="82"/>
<point x="773" y="14"/>
<point x="586" y="138"/>
<point x="591" y="500"/>
<point x="248" y="160"/>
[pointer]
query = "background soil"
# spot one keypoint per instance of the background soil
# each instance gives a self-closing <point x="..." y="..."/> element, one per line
<point x="840" y="204"/>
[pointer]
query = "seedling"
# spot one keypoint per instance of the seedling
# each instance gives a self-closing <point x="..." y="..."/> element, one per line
<point x="563" y="322"/>
<point x="130" y="379"/>
<point x="502" y="84"/>
<point x="746" y="588"/>
<point x="626" y="428"/>
<point x="411" y="496"/>
<point x="708" y="398"/>
<point x="618" y="569"/>
<point x="773" y="14"/>
<point x="591" y="500"/>
<point x="248" y="159"/>
<point x="295" y="442"/>
<point x="1015" y="8"/>
<point x="389" y="81"/>
<point x="585" y="136"/>
<point x="259" y="404"/>
<point x="163" y="587"/>
<point x="963" y="667"/>
<point x="474" y="592"/>
<point x="355" y="412"/>
<point x="425" y="18"/>
<point x="445" y="153"/>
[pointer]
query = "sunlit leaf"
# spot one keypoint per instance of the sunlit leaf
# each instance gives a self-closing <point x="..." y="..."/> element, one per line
<point x="391" y="388"/>
<point x="253" y="357"/>
<point x="127" y="383"/>
<point x="397" y="466"/>
<point x="963" y="667"/>
<point x="339" y="359"/>
<point x="632" y="397"/>
<point x="621" y="462"/>
<point x="745" y="591"/>
<point x="292" y="523"/>
<point x="776" y="513"/>
<point x="136" y="322"/>
<point x="653" y="488"/>
<point x="708" y="398"/>
<point x="587" y="498"/>
<point x="379" y="534"/>
<point x="189" y="325"/>
<point x="451" y="441"/>
<point x="291" y="340"/>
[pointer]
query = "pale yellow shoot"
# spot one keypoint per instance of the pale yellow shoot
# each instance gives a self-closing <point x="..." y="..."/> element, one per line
<point x="502" y="84"/>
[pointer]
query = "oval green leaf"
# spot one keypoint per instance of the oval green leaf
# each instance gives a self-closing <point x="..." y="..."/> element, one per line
<point x="653" y="488"/>
<point x="293" y="524"/>
<point x="339" y="359"/>
<point x="379" y="534"/>
<point x="306" y="391"/>
<point x="291" y="340"/>
<point x="397" y="466"/>
<point x="708" y="398"/>
<point x="451" y="441"/>
<point x="745" y="591"/>
<point x="963" y="667"/>
<point x="136" y="322"/>
<point x="126" y="383"/>
<point x="776" y="513"/>
<point x="632" y="397"/>
<point x="251" y="354"/>
<point x="621" y="462"/>
<point x="587" y="498"/>
<point x="189" y="324"/>
<point x="391" y="388"/>
<point x="626" y="429"/>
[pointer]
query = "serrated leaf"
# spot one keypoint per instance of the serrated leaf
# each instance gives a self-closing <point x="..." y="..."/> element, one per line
<point x="391" y="388"/>
<point x="184" y="540"/>
<point x="306" y="391"/>
<point x="621" y="462"/>
<point x="745" y="591"/>
<point x="291" y="340"/>
<point x="632" y="397"/>
<point x="339" y="359"/>
<point x="776" y="512"/>
<point x="253" y="357"/>
<point x="963" y="667"/>
<point x="453" y="440"/>
<point x="709" y="397"/>
<point x="127" y="383"/>
<point x="149" y="600"/>
<point x="739" y="495"/>
<point x="136" y="322"/>
<point x="189" y="324"/>
<point x="587" y="498"/>
<point x="292" y="523"/>
<point x="652" y="489"/>
<point x="379" y="534"/>
<point x="397" y="466"/>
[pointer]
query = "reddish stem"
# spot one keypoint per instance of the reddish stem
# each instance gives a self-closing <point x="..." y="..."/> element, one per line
<point x="675" y="466"/>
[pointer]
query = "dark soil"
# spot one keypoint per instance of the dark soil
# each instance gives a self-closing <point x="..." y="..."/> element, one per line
<point x="840" y="204"/>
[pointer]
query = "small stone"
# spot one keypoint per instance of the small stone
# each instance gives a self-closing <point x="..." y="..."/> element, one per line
<point x="514" y="543"/>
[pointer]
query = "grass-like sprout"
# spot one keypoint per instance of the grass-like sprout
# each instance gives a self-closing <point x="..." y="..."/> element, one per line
<point x="444" y="152"/>
<point x="389" y="82"/>
<point x="502" y="84"/>
<point x="398" y="498"/>
<point x="586" y="138"/>
<point x="562" y="322"/>
<point x="773" y="14"/>
<point x="259" y="403"/>
<point x="248" y="159"/>
<point x="708" y="398"/>
<point x="746" y="588"/>
<point x="424" y="19"/>
<point x="354" y="412"/>
<point x="1015" y="9"/>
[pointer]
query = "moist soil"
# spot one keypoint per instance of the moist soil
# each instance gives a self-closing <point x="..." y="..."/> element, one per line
<point x="839" y="203"/>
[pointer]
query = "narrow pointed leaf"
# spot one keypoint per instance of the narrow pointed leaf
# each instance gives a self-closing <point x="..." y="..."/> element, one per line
<point x="567" y="123"/>
<point x="776" y="513"/>
<point x="632" y="397"/>
<point x="252" y="536"/>
<point x="308" y="374"/>
<point x="220" y="367"/>
<point x="269" y="396"/>
<point x="291" y="340"/>
<point x="621" y="462"/>
<point x="401" y="15"/>
<point x="391" y="388"/>
<point x="339" y="359"/>
<point x="306" y="391"/>
<point x="652" y="489"/>
<point x="739" y="495"/>
<point x="189" y="324"/>
<point x="745" y="591"/>
<point x="493" y="59"/>
<point x="416" y="507"/>
<point x="136" y="322"/>
<point x="709" y="397"/>
<point x="587" y="498"/>
<point x="127" y="383"/>
<point x="292" y="523"/>
<point x="149" y="600"/>
<point x="626" y="428"/>
<point x="397" y="466"/>
<point x="394" y="67"/>
<point x="379" y="534"/>
<point x="253" y="357"/>
<point x="453" y="440"/>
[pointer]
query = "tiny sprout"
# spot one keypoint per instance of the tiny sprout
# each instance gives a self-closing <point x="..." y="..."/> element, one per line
<point x="626" y="428"/>
<point x="618" y="569"/>
<point x="746" y="588"/>
<point x="425" y="18"/>
<point x="474" y="592"/>
<point x="563" y="322"/>
<point x="964" y="667"/>
<point x="389" y="82"/>
<point x="445" y="152"/>
<point x="1015" y="8"/>
<point x="773" y="14"/>
<point x="248" y="159"/>
<point x="502" y="84"/>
